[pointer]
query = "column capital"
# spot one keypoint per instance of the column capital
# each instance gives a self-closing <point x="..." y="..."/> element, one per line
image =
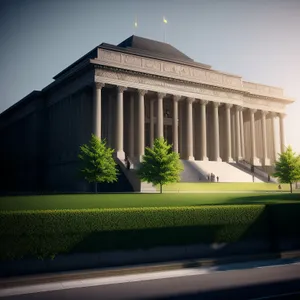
<point x="239" y="108"/>
<point x="176" y="98"/>
<point x="161" y="95"/>
<point x="264" y="113"/>
<point x="216" y="104"/>
<point x="190" y="100"/>
<point x="142" y="92"/>
<point x="228" y="105"/>
<point x="121" y="89"/>
<point x="99" y="85"/>
<point x="203" y="102"/>
<point x="273" y="114"/>
<point x="252" y="110"/>
<point x="281" y="115"/>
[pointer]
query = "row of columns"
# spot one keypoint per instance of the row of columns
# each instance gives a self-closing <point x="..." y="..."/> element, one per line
<point x="119" y="143"/>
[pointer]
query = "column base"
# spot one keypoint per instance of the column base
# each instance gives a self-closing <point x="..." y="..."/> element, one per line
<point x="218" y="159"/>
<point x="255" y="161"/>
<point x="229" y="159"/>
<point x="266" y="161"/>
<point x="239" y="159"/>
<point x="140" y="157"/>
<point x="204" y="158"/>
<point x="191" y="158"/>
<point x="121" y="155"/>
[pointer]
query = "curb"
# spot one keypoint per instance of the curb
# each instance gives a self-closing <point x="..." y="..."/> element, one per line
<point x="116" y="271"/>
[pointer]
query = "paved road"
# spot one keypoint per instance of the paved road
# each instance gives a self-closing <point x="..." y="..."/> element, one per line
<point x="244" y="281"/>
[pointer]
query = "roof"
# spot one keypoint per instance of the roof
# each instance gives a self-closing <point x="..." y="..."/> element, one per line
<point x="24" y="101"/>
<point x="155" y="48"/>
<point x="90" y="54"/>
<point x="144" y="47"/>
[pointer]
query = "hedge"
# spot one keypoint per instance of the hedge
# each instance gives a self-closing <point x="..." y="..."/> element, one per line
<point x="48" y="233"/>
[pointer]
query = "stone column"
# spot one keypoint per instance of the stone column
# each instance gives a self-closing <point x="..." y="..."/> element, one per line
<point x="254" y="159"/>
<point x="160" y="115"/>
<point x="175" y="122"/>
<point x="216" y="131"/>
<point x="238" y="133"/>
<point x="228" y="131"/>
<point x="141" y="124"/>
<point x="131" y="126"/>
<point x="203" y="104"/>
<point x="189" y="133"/>
<point x="120" y="124"/>
<point x="242" y="132"/>
<point x="97" y="109"/>
<point x="266" y="160"/>
<point x="281" y="130"/>
<point x="110" y="122"/>
<point x="180" y="108"/>
<point x="273" y="116"/>
<point x="151" y="122"/>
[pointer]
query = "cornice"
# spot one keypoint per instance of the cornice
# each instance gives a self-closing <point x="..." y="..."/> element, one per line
<point x="166" y="69"/>
<point x="200" y="85"/>
<point x="177" y="70"/>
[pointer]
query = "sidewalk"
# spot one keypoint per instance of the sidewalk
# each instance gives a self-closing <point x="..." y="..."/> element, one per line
<point x="30" y="280"/>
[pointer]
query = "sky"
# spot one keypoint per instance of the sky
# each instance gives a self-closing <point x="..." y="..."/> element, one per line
<point x="256" y="39"/>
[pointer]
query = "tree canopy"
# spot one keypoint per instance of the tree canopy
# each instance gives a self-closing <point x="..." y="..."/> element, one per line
<point x="98" y="162"/>
<point x="287" y="168"/>
<point x="160" y="165"/>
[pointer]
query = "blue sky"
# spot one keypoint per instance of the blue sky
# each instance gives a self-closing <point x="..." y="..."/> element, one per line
<point x="257" y="39"/>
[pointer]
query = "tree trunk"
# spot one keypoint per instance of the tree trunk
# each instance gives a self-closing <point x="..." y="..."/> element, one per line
<point x="96" y="187"/>
<point x="291" y="187"/>
<point x="160" y="188"/>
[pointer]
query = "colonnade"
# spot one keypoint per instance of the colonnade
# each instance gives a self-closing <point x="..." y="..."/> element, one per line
<point x="232" y="113"/>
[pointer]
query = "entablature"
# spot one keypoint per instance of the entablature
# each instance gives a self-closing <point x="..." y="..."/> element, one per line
<point x="185" y="89"/>
<point x="182" y="72"/>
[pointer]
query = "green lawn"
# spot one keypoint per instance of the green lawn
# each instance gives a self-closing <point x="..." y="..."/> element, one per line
<point x="224" y="186"/>
<point x="81" y="201"/>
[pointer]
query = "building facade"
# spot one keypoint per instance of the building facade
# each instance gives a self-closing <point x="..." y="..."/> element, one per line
<point x="131" y="94"/>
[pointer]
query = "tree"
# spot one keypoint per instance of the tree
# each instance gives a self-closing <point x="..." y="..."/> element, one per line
<point x="160" y="165"/>
<point x="287" y="168"/>
<point x="98" y="162"/>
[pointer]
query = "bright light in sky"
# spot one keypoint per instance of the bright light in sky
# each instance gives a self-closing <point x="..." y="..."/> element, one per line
<point x="258" y="40"/>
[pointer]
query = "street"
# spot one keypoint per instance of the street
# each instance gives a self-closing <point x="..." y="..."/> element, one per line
<point x="238" y="281"/>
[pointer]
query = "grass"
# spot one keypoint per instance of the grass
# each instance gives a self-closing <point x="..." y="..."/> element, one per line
<point x="224" y="186"/>
<point x="44" y="234"/>
<point x="103" y="201"/>
<point x="48" y="233"/>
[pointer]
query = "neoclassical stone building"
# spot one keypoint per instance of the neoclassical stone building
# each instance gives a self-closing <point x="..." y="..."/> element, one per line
<point x="130" y="94"/>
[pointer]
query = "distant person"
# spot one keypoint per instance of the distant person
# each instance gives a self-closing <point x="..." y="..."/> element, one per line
<point x="269" y="178"/>
<point x="208" y="177"/>
<point x="128" y="164"/>
<point x="279" y="186"/>
<point x="213" y="177"/>
<point x="217" y="178"/>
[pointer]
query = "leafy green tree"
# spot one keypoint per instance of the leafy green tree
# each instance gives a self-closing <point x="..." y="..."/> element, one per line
<point x="287" y="168"/>
<point x="160" y="165"/>
<point x="98" y="163"/>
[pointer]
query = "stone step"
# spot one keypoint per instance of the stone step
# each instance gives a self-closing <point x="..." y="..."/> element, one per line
<point x="225" y="171"/>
